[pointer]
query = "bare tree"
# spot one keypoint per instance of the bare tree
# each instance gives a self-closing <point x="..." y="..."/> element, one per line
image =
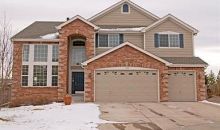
<point x="5" y="53"/>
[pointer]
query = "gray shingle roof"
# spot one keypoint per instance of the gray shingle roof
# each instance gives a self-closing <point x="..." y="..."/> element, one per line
<point x="185" y="60"/>
<point x="37" y="29"/>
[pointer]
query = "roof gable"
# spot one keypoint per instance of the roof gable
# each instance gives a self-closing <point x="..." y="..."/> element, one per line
<point x="77" y="17"/>
<point x="122" y="45"/>
<point x="119" y="4"/>
<point x="37" y="29"/>
<point x="174" y="19"/>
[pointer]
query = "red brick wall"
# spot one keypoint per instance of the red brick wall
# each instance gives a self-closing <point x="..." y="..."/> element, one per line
<point x="75" y="28"/>
<point x="21" y="95"/>
<point x="200" y="81"/>
<point x="125" y="56"/>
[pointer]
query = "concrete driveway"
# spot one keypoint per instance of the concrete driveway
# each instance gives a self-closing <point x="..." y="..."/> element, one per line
<point x="160" y="116"/>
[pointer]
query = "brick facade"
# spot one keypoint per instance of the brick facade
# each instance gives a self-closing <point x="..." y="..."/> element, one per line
<point x="74" y="29"/>
<point x="125" y="56"/>
<point x="130" y="57"/>
<point x="28" y="95"/>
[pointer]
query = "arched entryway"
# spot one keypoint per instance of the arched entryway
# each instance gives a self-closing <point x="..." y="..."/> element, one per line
<point x="77" y="55"/>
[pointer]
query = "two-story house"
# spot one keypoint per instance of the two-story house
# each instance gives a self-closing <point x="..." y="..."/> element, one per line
<point x="122" y="54"/>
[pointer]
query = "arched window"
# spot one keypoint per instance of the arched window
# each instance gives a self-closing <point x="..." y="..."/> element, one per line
<point x="125" y="8"/>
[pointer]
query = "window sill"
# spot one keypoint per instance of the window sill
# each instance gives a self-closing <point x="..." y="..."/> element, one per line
<point x="169" y="47"/>
<point x="104" y="47"/>
<point x="39" y="86"/>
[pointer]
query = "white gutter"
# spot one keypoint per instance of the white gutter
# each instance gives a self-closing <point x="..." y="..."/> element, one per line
<point x="34" y="40"/>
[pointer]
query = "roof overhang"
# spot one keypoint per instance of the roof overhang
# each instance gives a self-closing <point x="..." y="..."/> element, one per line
<point x="118" y="4"/>
<point x="80" y="18"/>
<point x="34" y="40"/>
<point x="122" y="45"/>
<point x="195" y="31"/>
<point x="188" y="65"/>
<point x="122" y="30"/>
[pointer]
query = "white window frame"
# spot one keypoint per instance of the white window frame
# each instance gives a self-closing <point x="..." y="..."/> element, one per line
<point x="108" y="39"/>
<point x="52" y="75"/>
<point x="129" y="9"/>
<point x="169" y="33"/>
<point x="31" y="64"/>
<point x="26" y="54"/>
<point x="24" y="75"/>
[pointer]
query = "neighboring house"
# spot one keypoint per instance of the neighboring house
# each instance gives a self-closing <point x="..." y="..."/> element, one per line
<point x="122" y="54"/>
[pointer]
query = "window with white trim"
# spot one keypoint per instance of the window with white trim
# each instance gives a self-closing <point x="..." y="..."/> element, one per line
<point x="24" y="77"/>
<point x="169" y="40"/>
<point x="54" y="75"/>
<point x="40" y="53"/>
<point x="25" y="53"/>
<point x="39" y="70"/>
<point x="55" y="52"/>
<point x="40" y="75"/>
<point x="108" y="40"/>
<point x="125" y="8"/>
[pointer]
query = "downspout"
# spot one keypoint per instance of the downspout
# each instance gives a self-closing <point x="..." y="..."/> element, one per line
<point x="144" y="41"/>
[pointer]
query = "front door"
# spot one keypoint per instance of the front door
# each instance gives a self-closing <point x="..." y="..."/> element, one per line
<point x="77" y="81"/>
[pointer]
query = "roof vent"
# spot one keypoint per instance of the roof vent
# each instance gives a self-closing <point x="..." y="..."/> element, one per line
<point x="67" y="19"/>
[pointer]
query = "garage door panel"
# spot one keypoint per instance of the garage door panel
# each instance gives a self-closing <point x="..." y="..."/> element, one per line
<point x="126" y="86"/>
<point x="181" y="86"/>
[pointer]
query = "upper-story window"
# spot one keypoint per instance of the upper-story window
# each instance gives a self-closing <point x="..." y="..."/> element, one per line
<point x="55" y="52"/>
<point x="109" y="40"/>
<point x="25" y="53"/>
<point x="125" y="8"/>
<point x="40" y="53"/>
<point x="169" y="40"/>
<point x="40" y="65"/>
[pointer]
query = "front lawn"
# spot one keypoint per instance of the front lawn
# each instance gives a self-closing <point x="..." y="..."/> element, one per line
<point x="54" y="116"/>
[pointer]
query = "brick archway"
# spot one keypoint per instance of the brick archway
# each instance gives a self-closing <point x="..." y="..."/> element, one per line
<point x="76" y="28"/>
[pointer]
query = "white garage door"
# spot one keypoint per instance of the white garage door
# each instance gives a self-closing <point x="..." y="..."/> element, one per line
<point x="181" y="86"/>
<point x="126" y="86"/>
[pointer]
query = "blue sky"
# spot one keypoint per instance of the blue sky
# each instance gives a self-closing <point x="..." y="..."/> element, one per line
<point x="203" y="15"/>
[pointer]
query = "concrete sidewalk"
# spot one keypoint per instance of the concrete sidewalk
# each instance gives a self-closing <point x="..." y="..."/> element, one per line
<point x="160" y="116"/>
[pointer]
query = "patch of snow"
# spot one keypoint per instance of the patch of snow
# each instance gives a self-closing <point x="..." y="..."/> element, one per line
<point x="54" y="116"/>
<point x="205" y="101"/>
<point x="124" y="29"/>
<point x="50" y="36"/>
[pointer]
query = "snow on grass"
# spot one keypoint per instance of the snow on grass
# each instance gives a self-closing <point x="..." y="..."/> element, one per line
<point x="205" y="101"/>
<point x="55" y="116"/>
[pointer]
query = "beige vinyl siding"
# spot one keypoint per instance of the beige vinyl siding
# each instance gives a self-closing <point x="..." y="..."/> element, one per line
<point x="169" y="25"/>
<point x="101" y="50"/>
<point x="134" y="38"/>
<point x="134" y="18"/>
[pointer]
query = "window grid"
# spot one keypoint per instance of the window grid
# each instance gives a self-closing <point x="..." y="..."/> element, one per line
<point x="125" y="8"/>
<point x="24" y="80"/>
<point x="113" y="40"/>
<point x="55" y="53"/>
<point x="169" y="40"/>
<point x="54" y="75"/>
<point x="174" y="40"/>
<point x="26" y="50"/>
<point x="108" y="40"/>
<point x="40" y="53"/>
<point x="40" y="75"/>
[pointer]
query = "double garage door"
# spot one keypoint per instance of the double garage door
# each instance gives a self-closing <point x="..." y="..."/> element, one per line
<point x="126" y="86"/>
<point x="142" y="86"/>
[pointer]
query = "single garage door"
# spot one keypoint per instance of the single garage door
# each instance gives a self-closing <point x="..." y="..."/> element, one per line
<point x="126" y="86"/>
<point x="181" y="86"/>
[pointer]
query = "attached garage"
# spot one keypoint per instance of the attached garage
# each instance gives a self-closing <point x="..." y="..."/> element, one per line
<point x="126" y="86"/>
<point x="182" y="86"/>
